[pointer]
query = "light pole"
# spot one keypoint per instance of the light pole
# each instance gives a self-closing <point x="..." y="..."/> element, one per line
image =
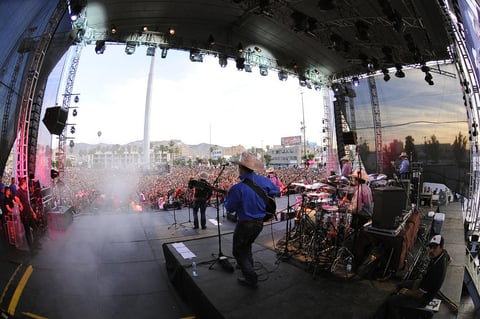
<point x="302" y="127"/>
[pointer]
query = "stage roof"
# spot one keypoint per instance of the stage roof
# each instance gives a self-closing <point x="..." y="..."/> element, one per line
<point x="322" y="39"/>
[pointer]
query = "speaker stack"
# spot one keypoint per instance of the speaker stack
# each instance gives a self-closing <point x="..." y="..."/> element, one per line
<point x="389" y="203"/>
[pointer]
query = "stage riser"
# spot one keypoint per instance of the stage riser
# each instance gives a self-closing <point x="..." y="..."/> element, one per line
<point x="60" y="219"/>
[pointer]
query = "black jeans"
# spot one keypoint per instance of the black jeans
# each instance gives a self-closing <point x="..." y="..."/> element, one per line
<point x="243" y="237"/>
<point x="202" y="206"/>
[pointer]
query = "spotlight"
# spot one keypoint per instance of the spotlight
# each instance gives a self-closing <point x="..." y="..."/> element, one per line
<point x="145" y="28"/>
<point x="399" y="73"/>
<point x="113" y="29"/>
<point x="100" y="47"/>
<point x="72" y="143"/>
<point x="282" y="75"/>
<point x="263" y="70"/>
<point x="302" y="80"/>
<point x="211" y="40"/>
<point x="355" y="81"/>
<point x="248" y="68"/>
<point x="240" y="63"/>
<point x="130" y="48"/>
<point x="258" y="49"/>
<point x="76" y="99"/>
<point x="196" y="56"/>
<point x="151" y="51"/>
<point x="222" y="60"/>
<point x="428" y="78"/>
<point x="317" y="86"/>
<point x="72" y="130"/>
<point x="240" y="47"/>
<point x="171" y="31"/>
<point x="74" y="113"/>
<point x="386" y="76"/>
<point x="164" y="53"/>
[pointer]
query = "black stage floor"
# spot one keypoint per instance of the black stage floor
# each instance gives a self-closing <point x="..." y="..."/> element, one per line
<point x="122" y="264"/>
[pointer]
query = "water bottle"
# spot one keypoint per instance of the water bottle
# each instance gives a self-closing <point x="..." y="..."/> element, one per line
<point x="194" y="269"/>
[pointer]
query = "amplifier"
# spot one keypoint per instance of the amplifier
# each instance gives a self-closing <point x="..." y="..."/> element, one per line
<point x="388" y="204"/>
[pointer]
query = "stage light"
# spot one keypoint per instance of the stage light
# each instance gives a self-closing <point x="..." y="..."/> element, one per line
<point x="74" y="113"/>
<point x="317" y="86"/>
<point x="76" y="99"/>
<point x="428" y="78"/>
<point x="100" y="47"/>
<point x="72" y="143"/>
<point x="145" y="28"/>
<point x="302" y="80"/>
<point x="196" y="56"/>
<point x="151" y="51"/>
<point x="72" y="130"/>
<point x="130" y="48"/>
<point x="386" y="76"/>
<point x="258" y="49"/>
<point x="355" y="81"/>
<point x="171" y="31"/>
<point x="399" y="73"/>
<point x="113" y="29"/>
<point x="211" y="40"/>
<point x="164" y="53"/>
<point x="263" y="70"/>
<point x="222" y="60"/>
<point x="240" y="63"/>
<point x="282" y="75"/>
<point x="248" y="68"/>
<point x="240" y="47"/>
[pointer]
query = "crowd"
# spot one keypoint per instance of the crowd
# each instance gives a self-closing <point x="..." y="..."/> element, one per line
<point x="110" y="189"/>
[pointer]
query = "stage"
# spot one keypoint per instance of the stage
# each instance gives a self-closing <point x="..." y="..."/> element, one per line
<point x="284" y="290"/>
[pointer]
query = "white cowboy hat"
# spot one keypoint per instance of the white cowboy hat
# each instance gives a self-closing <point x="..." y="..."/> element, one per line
<point x="250" y="161"/>
<point x="203" y="175"/>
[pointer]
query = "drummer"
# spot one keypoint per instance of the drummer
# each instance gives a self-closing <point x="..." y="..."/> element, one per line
<point x="346" y="166"/>
<point x="361" y="205"/>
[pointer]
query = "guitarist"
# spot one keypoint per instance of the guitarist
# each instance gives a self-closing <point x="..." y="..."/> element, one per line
<point x="251" y="209"/>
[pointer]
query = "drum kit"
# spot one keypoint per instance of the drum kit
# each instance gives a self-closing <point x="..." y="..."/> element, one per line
<point x="321" y="221"/>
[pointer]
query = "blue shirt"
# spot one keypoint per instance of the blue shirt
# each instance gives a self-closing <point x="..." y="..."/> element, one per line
<point x="404" y="166"/>
<point x="243" y="199"/>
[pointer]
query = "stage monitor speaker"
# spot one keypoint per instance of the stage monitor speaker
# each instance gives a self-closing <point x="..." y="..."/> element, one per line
<point x="55" y="119"/>
<point x="350" y="138"/>
<point x="389" y="203"/>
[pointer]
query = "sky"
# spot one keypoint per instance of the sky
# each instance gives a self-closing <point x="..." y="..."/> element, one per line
<point x="191" y="101"/>
<point x="204" y="103"/>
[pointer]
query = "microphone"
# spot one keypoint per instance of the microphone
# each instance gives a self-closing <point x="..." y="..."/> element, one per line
<point x="226" y="164"/>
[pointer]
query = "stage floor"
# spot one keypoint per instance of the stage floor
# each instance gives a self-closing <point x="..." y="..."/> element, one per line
<point x="113" y="264"/>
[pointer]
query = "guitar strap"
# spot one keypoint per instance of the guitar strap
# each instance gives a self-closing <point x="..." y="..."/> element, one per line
<point x="256" y="188"/>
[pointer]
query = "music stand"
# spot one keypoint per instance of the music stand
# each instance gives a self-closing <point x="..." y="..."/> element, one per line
<point x="189" y="203"/>
<point x="174" y="224"/>
<point x="221" y="258"/>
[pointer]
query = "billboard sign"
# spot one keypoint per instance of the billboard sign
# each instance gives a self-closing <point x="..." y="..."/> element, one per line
<point x="291" y="140"/>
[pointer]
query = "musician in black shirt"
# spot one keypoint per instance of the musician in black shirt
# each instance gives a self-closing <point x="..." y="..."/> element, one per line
<point x="419" y="292"/>
<point x="202" y="193"/>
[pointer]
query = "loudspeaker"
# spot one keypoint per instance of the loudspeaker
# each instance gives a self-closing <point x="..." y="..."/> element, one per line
<point x="350" y="138"/>
<point x="389" y="203"/>
<point x="55" y="119"/>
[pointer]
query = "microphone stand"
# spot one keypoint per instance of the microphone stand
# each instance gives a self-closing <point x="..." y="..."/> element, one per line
<point x="221" y="258"/>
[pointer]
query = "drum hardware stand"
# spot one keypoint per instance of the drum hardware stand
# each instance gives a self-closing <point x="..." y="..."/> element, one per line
<point x="189" y="203"/>
<point x="285" y="255"/>
<point x="221" y="258"/>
